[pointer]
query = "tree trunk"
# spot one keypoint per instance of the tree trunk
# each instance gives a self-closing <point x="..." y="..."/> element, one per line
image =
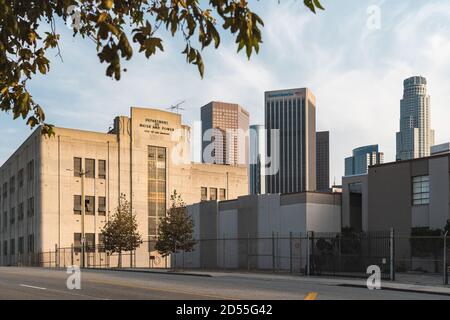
<point x="120" y="259"/>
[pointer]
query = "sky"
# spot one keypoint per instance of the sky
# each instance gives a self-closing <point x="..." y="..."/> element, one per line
<point x="354" y="57"/>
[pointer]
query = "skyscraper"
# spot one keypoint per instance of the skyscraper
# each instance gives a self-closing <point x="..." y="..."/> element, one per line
<point x="291" y="115"/>
<point x="257" y="180"/>
<point x="362" y="158"/>
<point x="323" y="160"/>
<point x="227" y="141"/>
<point x="416" y="136"/>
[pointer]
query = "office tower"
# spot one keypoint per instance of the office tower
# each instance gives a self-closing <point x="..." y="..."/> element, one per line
<point x="225" y="133"/>
<point x="290" y="121"/>
<point x="416" y="136"/>
<point x="323" y="160"/>
<point x="362" y="158"/>
<point x="257" y="180"/>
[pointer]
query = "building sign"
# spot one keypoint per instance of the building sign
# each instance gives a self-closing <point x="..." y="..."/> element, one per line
<point x="157" y="127"/>
<point x="296" y="93"/>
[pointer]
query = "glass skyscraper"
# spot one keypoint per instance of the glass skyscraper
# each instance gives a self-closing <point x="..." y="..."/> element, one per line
<point x="362" y="158"/>
<point x="416" y="136"/>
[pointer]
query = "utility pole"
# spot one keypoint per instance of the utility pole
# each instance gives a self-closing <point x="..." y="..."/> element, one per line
<point x="83" y="212"/>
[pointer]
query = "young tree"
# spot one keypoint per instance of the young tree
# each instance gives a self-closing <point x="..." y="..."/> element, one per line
<point x="176" y="229"/>
<point x="120" y="232"/>
<point x="25" y="40"/>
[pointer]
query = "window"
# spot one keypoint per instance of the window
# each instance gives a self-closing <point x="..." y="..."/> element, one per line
<point x="30" y="243"/>
<point x="102" y="169"/>
<point x="421" y="190"/>
<point x="30" y="170"/>
<point x="20" y="212"/>
<point x="213" y="193"/>
<point x="77" y="242"/>
<point x="12" y="247"/>
<point x="12" y="217"/>
<point x="90" y="168"/>
<point x="20" y="249"/>
<point x="20" y="178"/>
<point x="89" y="205"/>
<point x="76" y="204"/>
<point x="5" y="190"/>
<point x="90" y="242"/>
<point x="101" y="245"/>
<point x="102" y="206"/>
<point x="5" y="247"/>
<point x="30" y="211"/>
<point x="12" y="185"/>
<point x="5" y="219"/>
<point x="222" y="194"/>
<point x="77" y="167"/>
<point x="204" y="194"/>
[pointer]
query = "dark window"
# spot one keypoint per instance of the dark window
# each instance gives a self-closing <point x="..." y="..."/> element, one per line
<point x="101" y="245"/>
<point x="102" y="169"/>
<point x="76" y="204"/>
<point x="5" y="190"/>
<point x="90" y="168"/>
<point x="20" y="212"/>
<point x="222" y="194"/>
<point x="90" y="242"/>
<point x="5" y="219"/>
<point x="12" y="247"/>
<point x="12" y="185"/>
<point x="30" y="170"/>
<point x="77" y="167"/>
<point x="5" y="247"/>
<point x="213" y="193"/>
<point x="102" y="206"/>
<point x="30" y="243"/>
<point x="12" y="217"/>
<point x="77" y="242"/>
<point x="30" y="209"/>
<point x="20" y="249"/>
<point x="20" y="178"/>
<point x="204" y="194"/>
<point x="89" y="205"/>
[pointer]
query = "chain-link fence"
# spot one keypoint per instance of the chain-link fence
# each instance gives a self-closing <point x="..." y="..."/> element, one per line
<point x="326" y="254"/>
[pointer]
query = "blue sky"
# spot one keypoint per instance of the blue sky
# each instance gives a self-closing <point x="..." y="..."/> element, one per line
<point x="355" y="72"/>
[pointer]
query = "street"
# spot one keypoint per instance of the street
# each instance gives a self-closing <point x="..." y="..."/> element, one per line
<point x="47" y="284"/>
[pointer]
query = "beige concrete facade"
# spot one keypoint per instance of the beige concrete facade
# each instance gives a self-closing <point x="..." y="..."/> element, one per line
<point x="42" y="174"/>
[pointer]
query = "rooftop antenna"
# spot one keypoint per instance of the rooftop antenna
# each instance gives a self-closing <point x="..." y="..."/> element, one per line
<point x="177" y="107"/>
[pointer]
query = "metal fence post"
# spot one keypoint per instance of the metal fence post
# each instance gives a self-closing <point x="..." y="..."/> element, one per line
<point x="290" y="252"/>
<point x="224" y="265"/>
<point x="273" y="252"/>
<point x="71" y="254"/>
<point x="445" y="260"/>
<point x="56" y="256"/>
<point x="392" y="255"/>
<point x="308" y="272"/>
<point x="248" y="251"/>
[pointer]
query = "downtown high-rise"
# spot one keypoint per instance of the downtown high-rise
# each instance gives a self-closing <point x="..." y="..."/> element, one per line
<point x="416" y="136"/>
<point x="290" y="121"/>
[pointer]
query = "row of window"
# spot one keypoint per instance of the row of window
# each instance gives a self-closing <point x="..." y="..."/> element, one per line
<point x="89" y="245"/>
<point x="89" y="205"/>
<point x="89" y="168"/>
<point x="20" y="213"/>
<point x="11" y="249"/>
<point x="421" y="190"/>
<point x="20" y="180"/>
<point x="213" y="194"/>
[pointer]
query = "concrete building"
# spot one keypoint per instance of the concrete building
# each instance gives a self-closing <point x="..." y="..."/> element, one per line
<point x="257" y="177"/>
<point x="225" y="129"/>
<point x="362" y="158"/>
<point x="416" y="136"/>
<point x="290" y="121"/>
<point x="145" y="157"/>
<point x="323" y="161"/>
<point x="401" y="195"/>
<point x="252" y="224"/>
<point x="440" y="149"/>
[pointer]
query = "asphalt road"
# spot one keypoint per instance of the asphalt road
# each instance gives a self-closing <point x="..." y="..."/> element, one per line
<point x="35" y="283"/>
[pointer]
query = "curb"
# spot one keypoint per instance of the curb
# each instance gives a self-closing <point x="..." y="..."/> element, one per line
<point x="175" y="273"/>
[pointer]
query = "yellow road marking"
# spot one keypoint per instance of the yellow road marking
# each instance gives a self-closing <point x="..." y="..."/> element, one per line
<point x="311" y="296"/>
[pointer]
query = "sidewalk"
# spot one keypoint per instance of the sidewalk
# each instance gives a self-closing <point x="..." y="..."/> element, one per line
<point x="410" y="282"/>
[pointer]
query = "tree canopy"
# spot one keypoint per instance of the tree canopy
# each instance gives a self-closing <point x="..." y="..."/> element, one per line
<point x="176" y="229"/>
<point x="24" y="46"/>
